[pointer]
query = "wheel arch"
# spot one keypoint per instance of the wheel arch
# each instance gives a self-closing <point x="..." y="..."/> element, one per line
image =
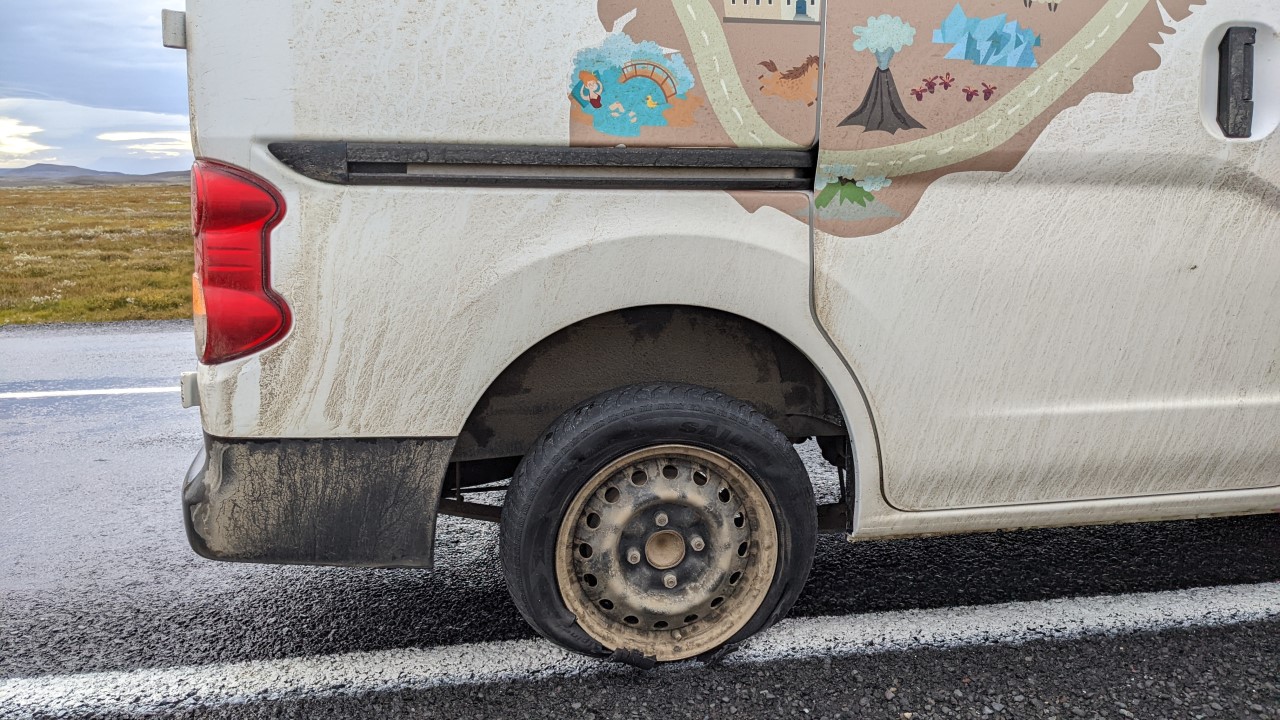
<point x="653" y="343"/>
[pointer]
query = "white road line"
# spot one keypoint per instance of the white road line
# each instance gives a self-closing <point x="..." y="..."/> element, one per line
<point x="181" y="688"/>
<point x="37" y="395"/>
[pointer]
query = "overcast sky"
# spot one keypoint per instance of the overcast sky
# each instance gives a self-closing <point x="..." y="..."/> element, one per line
<point x="87" y="83"/>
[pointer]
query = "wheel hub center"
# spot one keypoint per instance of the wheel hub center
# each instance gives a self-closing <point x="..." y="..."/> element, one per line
<point x="664" y="549"/>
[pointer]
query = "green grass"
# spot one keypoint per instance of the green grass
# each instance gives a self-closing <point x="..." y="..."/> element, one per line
<point x="92" y="254"/>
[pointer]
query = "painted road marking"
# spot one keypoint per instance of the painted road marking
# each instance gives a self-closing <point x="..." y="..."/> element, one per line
<point x="180" y="688"/>
<point x="37" y="395"/>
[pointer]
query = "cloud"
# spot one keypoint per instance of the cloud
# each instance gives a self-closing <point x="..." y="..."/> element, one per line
<point x="105" y="53"/>
<point x="159" y="143"/>
<point x="77" y="77"/>
<point x="99" y="138"/>
<point x="16" y="145"/>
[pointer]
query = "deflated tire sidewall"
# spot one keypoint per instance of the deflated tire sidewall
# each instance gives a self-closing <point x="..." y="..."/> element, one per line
<point x="549" y="480"/>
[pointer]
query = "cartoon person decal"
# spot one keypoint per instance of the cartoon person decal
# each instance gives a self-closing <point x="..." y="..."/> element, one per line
<point x="590" y="88"/>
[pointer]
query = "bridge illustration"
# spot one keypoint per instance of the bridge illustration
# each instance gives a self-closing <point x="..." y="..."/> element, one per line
<point x="653" y="71"/>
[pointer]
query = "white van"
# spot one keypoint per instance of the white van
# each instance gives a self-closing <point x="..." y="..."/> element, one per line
<point x="1012" y="263"/>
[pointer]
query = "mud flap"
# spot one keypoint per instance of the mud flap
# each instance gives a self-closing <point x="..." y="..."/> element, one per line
<point x="366" y="503"/>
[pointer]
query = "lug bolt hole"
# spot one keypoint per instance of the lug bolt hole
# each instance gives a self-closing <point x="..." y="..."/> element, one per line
<point x="742" y="549"/>
<point x="631" y="619"/>
<point x="660" y="625"/>
<point x="611" y="495"/>
<point x="607" y="604"/>
<point x="733" y="579"/>
<point x="584" y="550"/>
<point x="670" y="472"/>
<point x="593" y="521"/>
<point x="717" y="602"/>
<point x="639" y="478"/>
<point x="724" y="494"/>
<point x="690" y="618"/>
<point x="590" y="580"/>
<point x="699" y="478"/>
<point x="738" y="520"/>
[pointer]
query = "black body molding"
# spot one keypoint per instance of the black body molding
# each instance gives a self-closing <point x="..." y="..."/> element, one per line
<point x="444" y="165"/>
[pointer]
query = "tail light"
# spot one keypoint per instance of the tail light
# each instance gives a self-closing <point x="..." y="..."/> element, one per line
<point x="232" y="215"/>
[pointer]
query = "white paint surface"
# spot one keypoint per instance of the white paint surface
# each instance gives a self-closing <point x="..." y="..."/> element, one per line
<point x="1097" y="324"/>
<point x="180" y="688"/>
<point x="41" y="394"/>
<point x="1089" y="338"/>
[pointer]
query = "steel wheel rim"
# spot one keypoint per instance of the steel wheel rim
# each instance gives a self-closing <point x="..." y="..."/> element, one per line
<point x="669" y="550"/>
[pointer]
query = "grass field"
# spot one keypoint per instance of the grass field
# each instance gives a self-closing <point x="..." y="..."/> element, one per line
<point x="83" y="254"/>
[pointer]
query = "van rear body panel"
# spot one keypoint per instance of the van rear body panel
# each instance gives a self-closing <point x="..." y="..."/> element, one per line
<point x="1040" y="283"/>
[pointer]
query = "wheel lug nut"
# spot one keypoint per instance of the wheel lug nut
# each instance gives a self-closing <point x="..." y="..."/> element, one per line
<point x="669" y="580"/>
<point x="633" y="556"/>
<point x="661" y="519"/>
<point x="697" y="544"/>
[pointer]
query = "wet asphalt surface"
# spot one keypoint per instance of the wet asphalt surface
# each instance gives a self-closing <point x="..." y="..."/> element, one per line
<point x="95" y="575"/>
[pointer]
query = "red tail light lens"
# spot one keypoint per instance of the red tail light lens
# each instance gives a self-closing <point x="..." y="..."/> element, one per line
<point x="232" y="215"/>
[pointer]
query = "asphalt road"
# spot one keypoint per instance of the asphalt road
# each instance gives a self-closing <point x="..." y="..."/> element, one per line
<point x="96" y="577"/>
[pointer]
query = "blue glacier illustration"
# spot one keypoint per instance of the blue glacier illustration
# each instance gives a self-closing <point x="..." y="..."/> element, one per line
<point x="995" y="41"/>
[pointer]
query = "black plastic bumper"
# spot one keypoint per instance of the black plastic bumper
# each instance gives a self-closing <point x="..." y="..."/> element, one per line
<point x="368" y="503"/>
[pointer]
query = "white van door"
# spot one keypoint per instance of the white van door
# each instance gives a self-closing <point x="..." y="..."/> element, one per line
<point x="1053" y="272"/>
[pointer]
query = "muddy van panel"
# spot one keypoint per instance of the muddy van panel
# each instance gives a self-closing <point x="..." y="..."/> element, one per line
<point x="1085" y="322"/>
<point x="1003" y="265"/>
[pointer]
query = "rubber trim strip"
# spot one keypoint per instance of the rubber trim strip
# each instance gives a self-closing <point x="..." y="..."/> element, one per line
<point x="347" y="163"/>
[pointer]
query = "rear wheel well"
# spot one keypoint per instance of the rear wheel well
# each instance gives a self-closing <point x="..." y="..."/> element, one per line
<point x="663" y="343"/>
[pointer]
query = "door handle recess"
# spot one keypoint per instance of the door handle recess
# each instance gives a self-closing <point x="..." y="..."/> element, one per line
<point x="1235" y="82"/>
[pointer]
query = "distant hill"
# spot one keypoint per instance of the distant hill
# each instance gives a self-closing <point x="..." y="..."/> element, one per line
<point x="46" y="174"/>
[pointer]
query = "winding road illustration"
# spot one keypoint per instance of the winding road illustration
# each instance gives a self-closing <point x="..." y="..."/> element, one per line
<point x="1008" y="116"/>
<point x="992" y="128"/>
<point x="724" y="89"/>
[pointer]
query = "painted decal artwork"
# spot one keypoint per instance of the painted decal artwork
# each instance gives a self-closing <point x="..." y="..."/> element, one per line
<point x="913" y="90"/>
<point x="742" y="74"/>
<point x="976" y="90"/>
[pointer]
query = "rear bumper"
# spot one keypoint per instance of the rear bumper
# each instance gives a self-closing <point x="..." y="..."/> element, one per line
<point x="355" y="502"/>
